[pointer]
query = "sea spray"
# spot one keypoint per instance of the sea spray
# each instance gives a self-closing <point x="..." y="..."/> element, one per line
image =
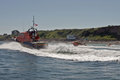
<point x="69" y="52"/>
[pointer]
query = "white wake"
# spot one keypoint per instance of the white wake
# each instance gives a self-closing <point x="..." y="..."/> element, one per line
<point x="70" y="52"/>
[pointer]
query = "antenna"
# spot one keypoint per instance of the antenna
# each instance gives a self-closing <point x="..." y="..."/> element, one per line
<point x="33" y="21"/>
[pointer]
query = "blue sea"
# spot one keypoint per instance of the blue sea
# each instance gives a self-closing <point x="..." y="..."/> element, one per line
<point x="59" y="61"/>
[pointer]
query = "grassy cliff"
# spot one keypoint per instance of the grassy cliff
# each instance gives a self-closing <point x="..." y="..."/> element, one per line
<point x="102" y="33"/>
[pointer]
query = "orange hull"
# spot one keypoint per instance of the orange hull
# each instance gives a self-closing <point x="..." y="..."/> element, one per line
<point x="76" y="43"/>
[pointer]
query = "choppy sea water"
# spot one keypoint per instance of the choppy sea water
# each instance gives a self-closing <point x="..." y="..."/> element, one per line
<point x="60" y="61"/>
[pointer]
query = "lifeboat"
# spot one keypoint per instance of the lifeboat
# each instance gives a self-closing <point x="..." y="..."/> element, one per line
<point x="76" y="43"/>
<point x="31" y="39"/>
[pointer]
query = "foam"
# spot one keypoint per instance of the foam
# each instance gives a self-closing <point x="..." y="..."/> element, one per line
<point x="69" y="52"/>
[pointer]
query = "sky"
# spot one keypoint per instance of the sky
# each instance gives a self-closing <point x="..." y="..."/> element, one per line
<point x="57" y="14"/>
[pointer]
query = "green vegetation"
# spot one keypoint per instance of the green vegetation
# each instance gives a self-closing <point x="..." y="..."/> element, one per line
<point x="1" y="37"/>
<point x="101" y="38"/>
<point x="103" y="33"/>
<point x="5" y="37"/>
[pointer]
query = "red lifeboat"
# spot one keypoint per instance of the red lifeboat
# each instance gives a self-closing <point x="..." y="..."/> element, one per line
<point x="29" y="36"/>
<point x="76" y="43"/>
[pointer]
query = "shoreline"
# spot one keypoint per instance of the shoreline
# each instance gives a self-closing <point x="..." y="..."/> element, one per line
<point x="86" y="42"/>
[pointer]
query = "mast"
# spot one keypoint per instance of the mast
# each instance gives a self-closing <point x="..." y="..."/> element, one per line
<point x="33" y="22"/>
